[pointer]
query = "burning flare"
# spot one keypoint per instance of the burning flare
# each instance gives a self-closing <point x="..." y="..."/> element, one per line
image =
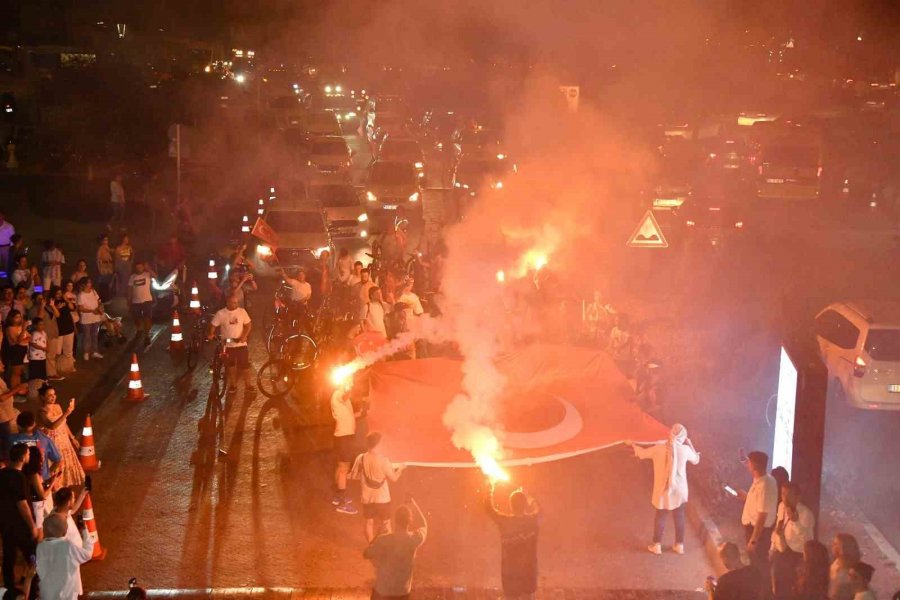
<point x="343" y="374"/>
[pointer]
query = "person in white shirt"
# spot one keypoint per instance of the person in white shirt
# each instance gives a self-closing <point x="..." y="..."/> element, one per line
<point x="360" y="291"/>
<point x="234" y="325"/>
<point x="411" y="300"/>
<point x="343" y="266"/>
<point x="117" y="199"/>
<point x="373" y="311"/>
<point x="794" y="526"/>
<point x="59" y="560"/>
<point x="374" y="472"/>
<point x="355" y="275"/>
<point x="52" y="261"/>
<point x="90" y="317"/>
<point x="670" y="485"/>
<point x="64" y="504"/>
<point x="141" y="299"/>
<point x="23" y="274"/>
<point x="860" y="577"/>
<point x="345" y="449"/>
<point x="6" y="232"/>
<point x="758" y="516"/>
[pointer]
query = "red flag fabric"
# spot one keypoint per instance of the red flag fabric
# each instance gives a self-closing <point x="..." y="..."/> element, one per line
<point x="368" y="341"/>
<point x="262" y="230"/>
<point x="559" y="401"/>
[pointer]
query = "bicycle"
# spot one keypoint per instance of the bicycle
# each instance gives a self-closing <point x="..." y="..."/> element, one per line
<point x="218" y="368"/>
<point x="197" y="337"/>
<point x="277" y="376"/>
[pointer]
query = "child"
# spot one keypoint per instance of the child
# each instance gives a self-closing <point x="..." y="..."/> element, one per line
<point x="37" y="351"/>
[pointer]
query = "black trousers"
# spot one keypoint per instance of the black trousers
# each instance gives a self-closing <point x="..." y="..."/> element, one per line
<point x="15" y="541"/>
<point x="759" y="558"/>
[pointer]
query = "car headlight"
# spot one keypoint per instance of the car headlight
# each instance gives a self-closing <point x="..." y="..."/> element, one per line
<point x="414" y="197"/>
<point x="371" y="197"/>
<point x="498" y="185"/>
<point x="240" y="78"/>
<point x="263" y="251"/>
<point x="338" y="89"/>
<point x="362" y="218"/>
<point x="309" y="163"/>
<point x="501" y="156"/>
<point x="457" y="184"/>
<point x="350" y="115"/>
<point x="363" y="234"/>
<point x="327" y="89"/>
<point x="739" y="224"/>
<point x="420" y="165"/>
<point x="690" y="223"/>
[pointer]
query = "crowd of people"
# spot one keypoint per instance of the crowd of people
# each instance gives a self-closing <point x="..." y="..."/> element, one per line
<point x="785" y="560"/>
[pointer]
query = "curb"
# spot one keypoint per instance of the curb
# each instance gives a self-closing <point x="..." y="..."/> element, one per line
<point x="708" y="531"/>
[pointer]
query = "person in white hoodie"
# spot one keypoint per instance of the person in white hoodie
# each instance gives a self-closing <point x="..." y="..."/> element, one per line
<point x="670" y="485"/>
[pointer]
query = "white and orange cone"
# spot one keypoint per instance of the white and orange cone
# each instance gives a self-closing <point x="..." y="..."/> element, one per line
<point x="87" y="515"/>
<point x="176" y="342"/>
<point x="194" y="306"/>
<point x="87" y="453"/>
<point x="135" y="387"/>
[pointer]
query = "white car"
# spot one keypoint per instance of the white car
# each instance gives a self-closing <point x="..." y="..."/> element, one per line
<point x="345" y="215"/>
<point x="329" y="157"/>
<point x="860" y="344"/>
<point x="302" y="233"/>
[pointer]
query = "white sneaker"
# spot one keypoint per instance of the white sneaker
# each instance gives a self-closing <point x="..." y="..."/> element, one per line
<point x="655" y="548"/>
<point x="97" y="355"/>
<point x="86" y="356"/>
<point x="678" y="548"/>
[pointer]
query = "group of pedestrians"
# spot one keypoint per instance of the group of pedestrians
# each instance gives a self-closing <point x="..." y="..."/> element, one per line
<point x="41" y="472"/>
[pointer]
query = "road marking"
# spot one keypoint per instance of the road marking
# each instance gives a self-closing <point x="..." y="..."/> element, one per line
<point x="883" y="544"/>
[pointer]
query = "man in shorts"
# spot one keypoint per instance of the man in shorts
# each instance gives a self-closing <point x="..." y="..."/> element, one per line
<point x="141" y="299"/>
<point x="374" y="471"/>
<point x="233" y="323"/>
<point x="344" y="445"/>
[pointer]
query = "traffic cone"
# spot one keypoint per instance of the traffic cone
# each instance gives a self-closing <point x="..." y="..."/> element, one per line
<point x="212" y="273"/>
<point x="87" y="515"/>
<point x="261" y="208"/>
<point x="245" y="225"/>
<point x="87" y="454"/>
<point x="194" y="306"/>
<point x="176" y="342"/>
<point x="135" y="387"/>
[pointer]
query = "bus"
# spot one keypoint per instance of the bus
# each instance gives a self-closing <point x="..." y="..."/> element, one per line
<point x="789" y="166"/>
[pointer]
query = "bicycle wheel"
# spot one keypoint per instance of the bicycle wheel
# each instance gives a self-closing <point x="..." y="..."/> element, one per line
<point x="219" y="375"/>
<point x="275" y="337"/>
<point x="275" y="378"/>
<point x="300" y="351"/>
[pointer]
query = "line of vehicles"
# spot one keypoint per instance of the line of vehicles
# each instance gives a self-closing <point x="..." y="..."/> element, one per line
<point x="408" y="157"/>
<point x="714" y="174"/>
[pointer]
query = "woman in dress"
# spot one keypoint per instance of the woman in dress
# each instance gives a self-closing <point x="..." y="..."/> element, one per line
<point x="52" y="420"/>
<point x="124" y="256"/>
<point x="14" y="347"/>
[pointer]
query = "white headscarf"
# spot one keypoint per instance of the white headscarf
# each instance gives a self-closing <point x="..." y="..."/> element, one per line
<point x="677" y="435"/>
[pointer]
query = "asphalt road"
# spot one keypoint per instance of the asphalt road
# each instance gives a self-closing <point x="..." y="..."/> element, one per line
<point x="261" y="514"/>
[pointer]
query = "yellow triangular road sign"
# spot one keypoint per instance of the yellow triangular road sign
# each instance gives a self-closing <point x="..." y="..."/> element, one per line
<point x="648" y="234"/>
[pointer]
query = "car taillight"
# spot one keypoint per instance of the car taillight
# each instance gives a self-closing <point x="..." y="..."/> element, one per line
<point x="859" y="367"/>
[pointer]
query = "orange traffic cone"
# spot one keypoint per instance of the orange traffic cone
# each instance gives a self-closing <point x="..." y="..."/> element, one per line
<point x="87" y="515"/>
<point x="87" y="454"/>
<point x="135" y="388"/>
<point x="176" y="343"/>
<point x="194" y="306"/>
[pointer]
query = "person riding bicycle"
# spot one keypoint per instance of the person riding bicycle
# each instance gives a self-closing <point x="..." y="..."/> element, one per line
<point x="301" y="292"/>
<point x="234" y="325"/>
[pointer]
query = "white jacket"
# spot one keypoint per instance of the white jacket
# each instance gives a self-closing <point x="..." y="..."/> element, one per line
<point x="670" y="458"/>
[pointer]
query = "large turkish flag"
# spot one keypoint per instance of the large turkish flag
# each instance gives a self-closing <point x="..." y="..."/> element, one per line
<point x="560" y="401"/>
